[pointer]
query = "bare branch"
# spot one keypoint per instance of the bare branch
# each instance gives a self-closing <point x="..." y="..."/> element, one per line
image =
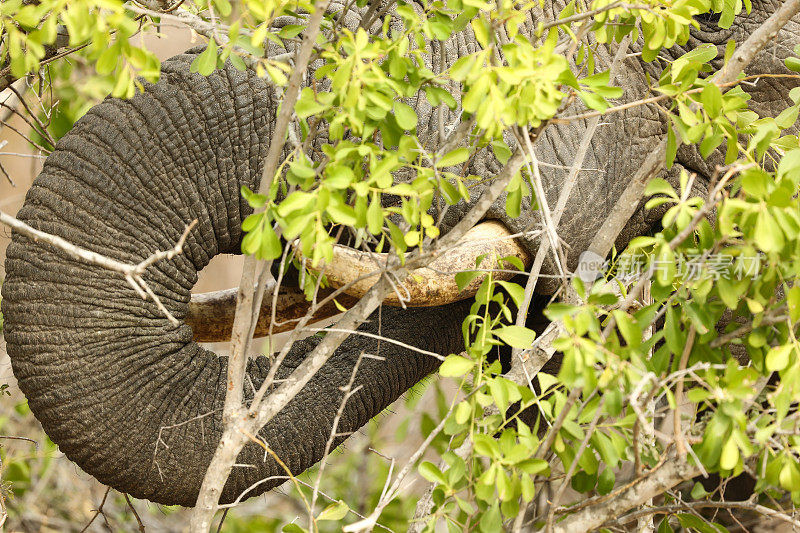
<point x="691" y="506"/>
<point x="233" y="437"/>
<point x="98" y="511"/>
<point x="672" y="472"/>
<point x="132" y="272"/>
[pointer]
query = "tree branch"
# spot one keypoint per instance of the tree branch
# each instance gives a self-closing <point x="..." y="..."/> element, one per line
<point x="669" y="474"/>
<point x="233" y="437"/>
<point x="133" y="273"/>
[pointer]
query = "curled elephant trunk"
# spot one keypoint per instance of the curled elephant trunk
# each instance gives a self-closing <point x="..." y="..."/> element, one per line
<point x="133" y="400"/>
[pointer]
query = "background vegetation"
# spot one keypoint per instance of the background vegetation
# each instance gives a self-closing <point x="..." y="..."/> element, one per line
<point x="636" y="356"/>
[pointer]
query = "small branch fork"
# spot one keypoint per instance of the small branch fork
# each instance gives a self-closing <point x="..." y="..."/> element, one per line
<point x="133" y="273"/>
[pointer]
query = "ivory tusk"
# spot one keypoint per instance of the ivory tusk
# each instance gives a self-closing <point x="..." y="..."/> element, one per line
<point x="211" y="314"/>
<point x="435" y="284"/>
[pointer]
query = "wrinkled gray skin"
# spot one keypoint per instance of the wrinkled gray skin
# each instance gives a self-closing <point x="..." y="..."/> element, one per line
<point x="136" y="402"/>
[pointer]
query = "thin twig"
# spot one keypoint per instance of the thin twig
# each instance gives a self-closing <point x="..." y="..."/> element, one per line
<point x="544" y="446"/>
<point x="680" y="445"/>
<point x="368" y="523"/>
<point x="563" y="487"/>
<point x="349" y="391"/>
<point x="98" y="511"/>
<point x="135" y="514"/>
<point x="132" y="272"/>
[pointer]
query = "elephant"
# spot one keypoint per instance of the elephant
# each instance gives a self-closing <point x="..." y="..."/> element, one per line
<point x="134" y="400"/>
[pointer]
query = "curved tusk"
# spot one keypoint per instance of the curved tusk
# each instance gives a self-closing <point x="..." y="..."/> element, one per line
<point x="435" y="284"/>
<point x="211" y="313"/>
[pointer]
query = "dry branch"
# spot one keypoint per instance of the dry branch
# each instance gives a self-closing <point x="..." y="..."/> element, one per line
<point x="133" y="273"/>
<point x="670" y="473"/>
<point x="249" y="298"/>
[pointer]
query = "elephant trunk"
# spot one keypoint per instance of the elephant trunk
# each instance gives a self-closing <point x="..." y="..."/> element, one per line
<point x="133" y="400"/>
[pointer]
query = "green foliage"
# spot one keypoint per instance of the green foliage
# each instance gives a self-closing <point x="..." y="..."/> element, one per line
<point x="360" y="114"/>
<point x="103" y="27"/>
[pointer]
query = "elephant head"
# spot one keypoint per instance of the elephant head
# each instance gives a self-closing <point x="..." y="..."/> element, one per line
<point x="135" y="401"/>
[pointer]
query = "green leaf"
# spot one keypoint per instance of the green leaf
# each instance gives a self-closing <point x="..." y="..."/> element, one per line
<point x="593" y="101"/>
<point x="412" y="238"/>
<point x="296" y="201"/>
<point x="335" y="511"/>
<point x="405" y="115"/>
<point x="665" y="265"/>
<point x="463" y="412"/>
<point x="251" y="222"/>
<point x="660" y="186"/>
<point x="629" y="328"/>
<point x="756" y="182"/>
<point x="457" y="156"/>
<point x="768" y="234"/>
<point x="793" y="63"/>
<point x="251" y="243"/>
<point x="516" y="291"/>
<point x="491" y="521"/>
<point x="605" y="481"/>
<point x="499" y="394"/>
<point x="711" y="97"/>
<point x="375" y="216"/>
<point x="672" y="146"/>
<point x="501" y="151"/>
<point x="486" y="445"/>
<point x="672" y="332"/>
<point x="342" y="213"/>
<point x="455" y="366"/>
<point x="464" y="278"/>
<point x="793" y="301"/>
<point x="730" y="455"/>
<point x="107" y="61"/>
<point x="778" y="357"/>
<point x="790" y="476"/>
<point x="695" y="523"/>
<point x="515" y="336"/>
<point x="291" y="30"/>
<point x="271" y="247"/>
<point x="462" y="67"/>
<point x="514" y="203"/>
<point x="430" y="472"/>
<point x="206" y="62"/>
